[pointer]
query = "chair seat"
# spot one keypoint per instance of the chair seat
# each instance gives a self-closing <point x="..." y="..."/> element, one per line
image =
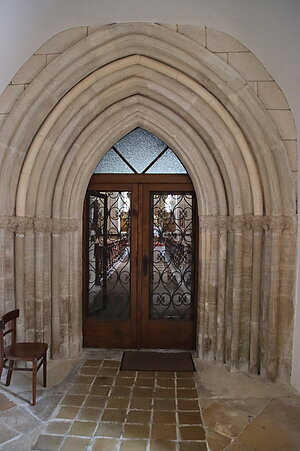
<point x="25" y="351"/>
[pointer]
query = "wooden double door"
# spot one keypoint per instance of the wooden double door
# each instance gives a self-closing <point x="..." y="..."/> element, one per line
<point x="139" y="262"/>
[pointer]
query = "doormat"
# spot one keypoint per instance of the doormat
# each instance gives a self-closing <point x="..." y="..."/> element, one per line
<point x="157" y="361"/>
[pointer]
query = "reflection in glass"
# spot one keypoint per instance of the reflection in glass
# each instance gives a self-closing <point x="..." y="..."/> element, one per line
<point x="172" y="268"/>
<point x="109" y="254"/>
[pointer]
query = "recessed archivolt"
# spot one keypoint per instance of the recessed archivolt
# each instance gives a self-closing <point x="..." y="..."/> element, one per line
<point x="183" y="62"/>
<point x="187" y="97"/>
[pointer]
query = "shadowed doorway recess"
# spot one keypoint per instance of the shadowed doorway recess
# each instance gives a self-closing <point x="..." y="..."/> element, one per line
<point x="139" y="257"/>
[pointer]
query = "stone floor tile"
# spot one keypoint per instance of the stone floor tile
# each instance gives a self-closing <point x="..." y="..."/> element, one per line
<point x="145" y="374"/>
<point x="15" y="419"/>
<point x="163" y="432"/>
<point x="108" y="371"/>
<point x="121" y="391"/>
<point x="75" y="444"/>
<point x="145" y="382"/>
<point x="185" y="383"/>
<point x="114" y="415"/>
<point x="111" y="363"/>
<point x="124" y="381"/>
<point x="164" y="404"/>
<point x="164" y="417"/>
<point x="136" y="431"/>
<point x="117" y="403"/>
<point x="89" y="371"/>
<point x="67" y="412"/>
<point x="165" y="383"/>
<point x="94" y="401"/>
<point x="105" y="444"/>
<point x="84" y="380"/>
<point x="164" y="393"/>
<point x="189" y="418"/>
<point x="5" y="403"/>
<point x="58" y="427"/>
<point x="92" y="362"/>
<point x="185" y="375"/>
<point x="141" y="403"/>
<point x="137" y="416"/>
<point x="187" y="393"/>
<point x="139" y="392"/>
<point x="89" y="413"/>
<point x="73" y="400"/>
<point x="79" y="389"/>
<point x="162" y="445"/>
<point x="227" y="421"/>
<point x="100" y="390"/>
<point x="193" y="446"/>
<point x="48" y="442"/>
<point x="284" y="412"/>
<point x="83" y="428"/>
<point x="109" y="429"/>
<point x="188" y="404"/>
<point x="192" y="433"/>
<point x="133" y="445"/>
<point x="103" y="380"/>
<point x="126" y="373"/>
<point x="6" y="433"/>
<point x="216" y="441"/>
<point x="265" y="435"/>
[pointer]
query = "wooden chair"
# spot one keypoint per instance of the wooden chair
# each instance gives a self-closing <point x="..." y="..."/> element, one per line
<point x="11" y="352"/>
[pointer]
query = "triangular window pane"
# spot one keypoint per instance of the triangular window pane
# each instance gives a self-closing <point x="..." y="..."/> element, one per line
<point x="139" y="148"/>
<point x="168" y="163"/>
<point x="111" y="163"/>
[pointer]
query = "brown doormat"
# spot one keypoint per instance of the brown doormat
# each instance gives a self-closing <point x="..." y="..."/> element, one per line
<point x="157" y="361"/>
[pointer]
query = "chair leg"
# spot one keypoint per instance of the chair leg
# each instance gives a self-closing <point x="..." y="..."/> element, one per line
<point x="9" y="372"/>
<point x="45" y="370"/>
<point x="34" y="371"/>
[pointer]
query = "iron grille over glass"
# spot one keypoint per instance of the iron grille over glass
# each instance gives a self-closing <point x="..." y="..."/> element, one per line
<point x="140" y="152"/>
<point x="172" y="256"/>
<point x="109" y="254"/>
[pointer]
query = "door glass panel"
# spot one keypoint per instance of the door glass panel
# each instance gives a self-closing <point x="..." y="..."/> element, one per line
<point x="172" y="285"/>
<point x="109" y="254"/>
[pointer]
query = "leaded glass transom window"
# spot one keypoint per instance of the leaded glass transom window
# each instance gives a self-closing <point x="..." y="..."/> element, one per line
<point x="140" y="152"/>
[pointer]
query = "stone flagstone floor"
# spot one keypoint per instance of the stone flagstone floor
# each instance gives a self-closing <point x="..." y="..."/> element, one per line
<point x="89" y="404"/>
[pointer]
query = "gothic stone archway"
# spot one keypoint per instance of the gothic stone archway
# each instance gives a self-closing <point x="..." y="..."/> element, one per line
<point x="113" y="80"/>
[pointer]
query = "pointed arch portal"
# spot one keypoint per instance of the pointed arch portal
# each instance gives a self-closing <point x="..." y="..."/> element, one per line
<point x="132" y="75"/>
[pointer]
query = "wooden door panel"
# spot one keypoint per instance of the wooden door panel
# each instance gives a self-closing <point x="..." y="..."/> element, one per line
<point x="140" y="329"/>
<point x="167" y="315"/>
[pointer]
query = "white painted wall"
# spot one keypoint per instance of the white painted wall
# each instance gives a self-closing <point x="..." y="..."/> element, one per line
<point x="269" y="28"/>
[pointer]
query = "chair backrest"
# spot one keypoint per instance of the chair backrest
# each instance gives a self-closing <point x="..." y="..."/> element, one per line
<point x="8" y="336"/>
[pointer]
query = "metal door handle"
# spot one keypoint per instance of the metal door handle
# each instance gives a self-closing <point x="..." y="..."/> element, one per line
<point x="145" y="265"/>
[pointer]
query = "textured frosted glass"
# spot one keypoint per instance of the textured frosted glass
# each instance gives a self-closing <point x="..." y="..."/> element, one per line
<point x="139" y="148"/>
<point x="168" y="163"/>
<point x="111" y="163"/>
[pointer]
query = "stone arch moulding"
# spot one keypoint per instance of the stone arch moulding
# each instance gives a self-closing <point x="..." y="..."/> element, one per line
<point x="111" y="81"/>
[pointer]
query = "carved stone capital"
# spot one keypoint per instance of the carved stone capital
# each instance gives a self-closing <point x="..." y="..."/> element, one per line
<point x="42" y="225"/>
<point x="23" y="225"/>
<point x="8" y="223"/>
<point x="237" y="223"/>
<point x="65" y="225"/>
<point x="280" y="223"/>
